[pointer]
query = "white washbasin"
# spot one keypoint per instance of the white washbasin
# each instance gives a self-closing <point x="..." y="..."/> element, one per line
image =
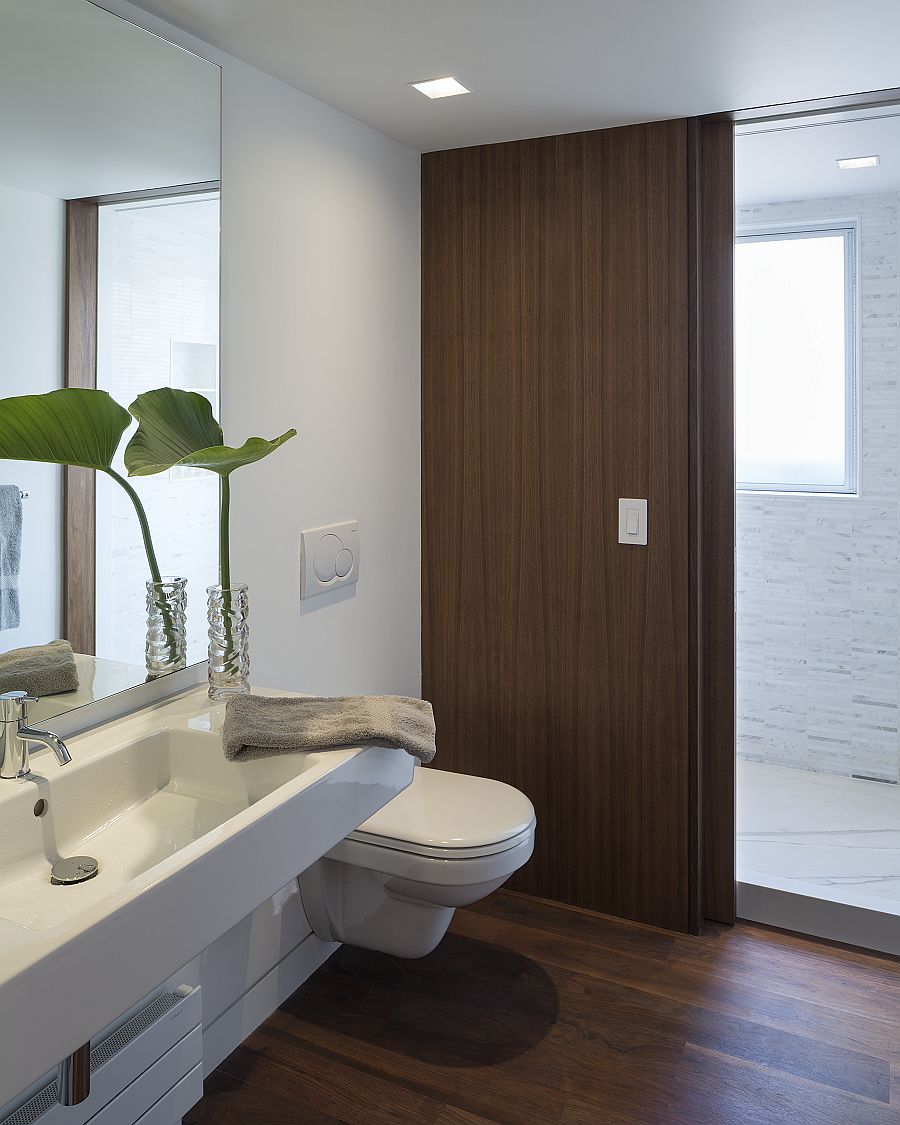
<point x="187" y="843"/>
<point x="129" y="810"/>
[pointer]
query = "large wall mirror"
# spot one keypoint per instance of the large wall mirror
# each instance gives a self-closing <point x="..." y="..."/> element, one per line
<point x="109" y="279"/>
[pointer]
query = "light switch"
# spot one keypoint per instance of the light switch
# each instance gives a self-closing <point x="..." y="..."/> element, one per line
<point x="633" y="522"/>
<point x="329" y="558"/>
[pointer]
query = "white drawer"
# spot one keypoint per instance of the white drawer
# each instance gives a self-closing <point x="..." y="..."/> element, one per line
<point x="120" y="1057"/>
<point x="145" y="1092"/>
<point x="172" y="1106"/>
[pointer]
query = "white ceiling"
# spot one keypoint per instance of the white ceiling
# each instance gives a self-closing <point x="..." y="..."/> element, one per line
<point x="538" y="67"/>
<point x="798" y="159"/>
<point x="92" y="105"/>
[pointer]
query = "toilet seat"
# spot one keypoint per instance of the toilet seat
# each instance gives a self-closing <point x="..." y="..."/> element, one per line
<point x="448" y="870"/>
<point x="408" y="846"/>
<point x="450" y="816"/>
<point x="445" y="829"/>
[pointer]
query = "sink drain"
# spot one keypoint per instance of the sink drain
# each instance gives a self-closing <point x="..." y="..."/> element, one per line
<point x="78" y="869"/>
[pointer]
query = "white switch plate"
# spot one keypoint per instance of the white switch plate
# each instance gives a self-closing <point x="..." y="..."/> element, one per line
<point x="329" y="558"/>
<point x="633" y="522"/>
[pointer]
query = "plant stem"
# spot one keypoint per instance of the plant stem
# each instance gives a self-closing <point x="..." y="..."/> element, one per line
<point x="142" y="520"/>
<point x="225" y="566"/>
<point x="168" y="623"/>
<point x="224" y="519"/>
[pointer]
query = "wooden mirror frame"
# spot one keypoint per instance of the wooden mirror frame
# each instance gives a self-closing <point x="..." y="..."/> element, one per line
<point x="79" y="616"/>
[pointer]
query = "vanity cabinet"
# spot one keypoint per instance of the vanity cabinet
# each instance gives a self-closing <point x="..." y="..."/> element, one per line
<point x="146" y="1069"/>
<point x="148" y="1066"/>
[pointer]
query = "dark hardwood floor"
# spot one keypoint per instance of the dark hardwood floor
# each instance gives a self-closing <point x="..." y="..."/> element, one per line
<point x="530" y="1012"/>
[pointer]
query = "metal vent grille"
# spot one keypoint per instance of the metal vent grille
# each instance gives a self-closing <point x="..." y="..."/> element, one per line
<point x="35" y="1107"/>
<point x="48" y="1096"/>
<point x="114" y="1043"/>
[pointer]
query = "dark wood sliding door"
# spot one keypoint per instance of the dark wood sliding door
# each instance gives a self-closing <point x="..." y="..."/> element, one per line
<point x="79" y="503"/>
<point x="559" y="330"/>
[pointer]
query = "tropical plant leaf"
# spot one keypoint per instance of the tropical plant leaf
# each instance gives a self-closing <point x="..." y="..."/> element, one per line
<point x="71" y="426"/>
<point x="172" y="424"/>
<point x="178" y="428"/>
<point x="65" y="427"/>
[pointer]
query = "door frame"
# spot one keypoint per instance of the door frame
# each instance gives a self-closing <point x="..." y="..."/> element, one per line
<point x="713" y="651"/>
<point x="711" y="640"/>
<point x="79" y="610"/>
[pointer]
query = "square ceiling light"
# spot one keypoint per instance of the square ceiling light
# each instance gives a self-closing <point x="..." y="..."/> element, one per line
<point x="440" y="87"/>
<point x="857" y="162"/>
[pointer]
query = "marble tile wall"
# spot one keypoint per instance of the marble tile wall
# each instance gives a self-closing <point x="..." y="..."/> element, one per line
<point x="818" y="596"/>
<point x="164" y="280"/>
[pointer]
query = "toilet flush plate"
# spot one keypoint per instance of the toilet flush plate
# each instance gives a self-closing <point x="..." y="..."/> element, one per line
<point x="329" y="558"/>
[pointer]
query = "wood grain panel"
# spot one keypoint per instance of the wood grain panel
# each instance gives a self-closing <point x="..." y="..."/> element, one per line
<point x="712" y="632"/>
<point x="555" y="380"/>
<point x="79" y="503"/>
<point x="530" y="1013"/>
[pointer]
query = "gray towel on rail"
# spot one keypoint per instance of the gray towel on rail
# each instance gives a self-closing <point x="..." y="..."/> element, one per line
<point x="258" y="726"/>
<point x="10" y="554"/>
<point x="40" y="669"/>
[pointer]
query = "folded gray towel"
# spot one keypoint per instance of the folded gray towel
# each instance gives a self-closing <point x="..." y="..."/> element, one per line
<point x="10" y="554"/>
<point x="258" y="726"/>
<point x="40" y="670"/>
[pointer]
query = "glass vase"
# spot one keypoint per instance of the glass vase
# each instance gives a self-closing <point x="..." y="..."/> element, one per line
<point x="229" y="641"/>
<point x="166" y="648"/>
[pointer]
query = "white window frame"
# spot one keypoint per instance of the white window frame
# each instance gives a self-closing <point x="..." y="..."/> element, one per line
<point x="849" y="229"/>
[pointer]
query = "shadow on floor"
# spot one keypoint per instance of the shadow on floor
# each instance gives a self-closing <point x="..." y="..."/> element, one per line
<point x="466" y="1004"/>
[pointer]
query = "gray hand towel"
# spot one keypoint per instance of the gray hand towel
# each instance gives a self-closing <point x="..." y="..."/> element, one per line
<point x="10" y="554"/>
<point x="258" y="726"/>
<point x="40" y="670"/>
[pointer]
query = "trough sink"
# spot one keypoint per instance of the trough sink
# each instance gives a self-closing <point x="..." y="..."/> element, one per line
<point x="187" y="844"/>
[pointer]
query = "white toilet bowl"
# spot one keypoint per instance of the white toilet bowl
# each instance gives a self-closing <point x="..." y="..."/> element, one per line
<point x="393" y="884"/>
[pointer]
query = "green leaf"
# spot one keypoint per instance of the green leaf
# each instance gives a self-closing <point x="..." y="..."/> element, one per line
<point x="65" y="427"/>
<point x="173" y="424"/>
<point x="178" y="428"/>
<point x="71" y="427"/>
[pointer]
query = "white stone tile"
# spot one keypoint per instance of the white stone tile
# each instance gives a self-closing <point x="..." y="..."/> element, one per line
<point x="819" y="830"/>
<point x="818" y="578"/>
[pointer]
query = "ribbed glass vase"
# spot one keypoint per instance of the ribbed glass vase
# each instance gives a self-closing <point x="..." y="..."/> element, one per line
<point x="166" y="648"/>
<point x="229" y="641"/>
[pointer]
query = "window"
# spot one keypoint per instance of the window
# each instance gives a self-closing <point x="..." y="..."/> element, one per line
<point x="795" y="359"/>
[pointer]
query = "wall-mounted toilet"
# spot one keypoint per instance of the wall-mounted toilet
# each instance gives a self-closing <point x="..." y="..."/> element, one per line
<point x="446" y="841"/>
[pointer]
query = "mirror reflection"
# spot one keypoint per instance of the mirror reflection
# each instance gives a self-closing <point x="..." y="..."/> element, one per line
<point x="109" y="281"/>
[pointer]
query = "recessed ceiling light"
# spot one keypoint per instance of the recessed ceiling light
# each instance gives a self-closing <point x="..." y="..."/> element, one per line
<point x="440" y="87"/>
<point x="858" y="162"/>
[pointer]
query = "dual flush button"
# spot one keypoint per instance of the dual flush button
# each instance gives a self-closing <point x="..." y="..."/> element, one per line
<point x="329" y="558"/>
<point x="332" y="559"/>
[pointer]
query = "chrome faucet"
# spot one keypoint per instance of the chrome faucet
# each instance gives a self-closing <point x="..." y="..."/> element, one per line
<point x="16" y="736"/>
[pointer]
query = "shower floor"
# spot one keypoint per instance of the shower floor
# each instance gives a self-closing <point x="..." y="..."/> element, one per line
<point x="820" y="847"/>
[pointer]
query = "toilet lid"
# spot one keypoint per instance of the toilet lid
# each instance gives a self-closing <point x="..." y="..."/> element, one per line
<point x="450" y="811"/>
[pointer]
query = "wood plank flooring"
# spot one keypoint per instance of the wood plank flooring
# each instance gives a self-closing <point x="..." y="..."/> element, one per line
<point x="531" y="1013"/>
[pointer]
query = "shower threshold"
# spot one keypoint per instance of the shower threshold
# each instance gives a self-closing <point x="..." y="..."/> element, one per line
<point x="820" y="854"/>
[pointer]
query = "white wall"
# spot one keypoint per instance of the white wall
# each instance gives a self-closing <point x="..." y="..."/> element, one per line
<point x="817" y="593"/>
<point x="32" y="237"/>
<point x="320" y="330"/>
